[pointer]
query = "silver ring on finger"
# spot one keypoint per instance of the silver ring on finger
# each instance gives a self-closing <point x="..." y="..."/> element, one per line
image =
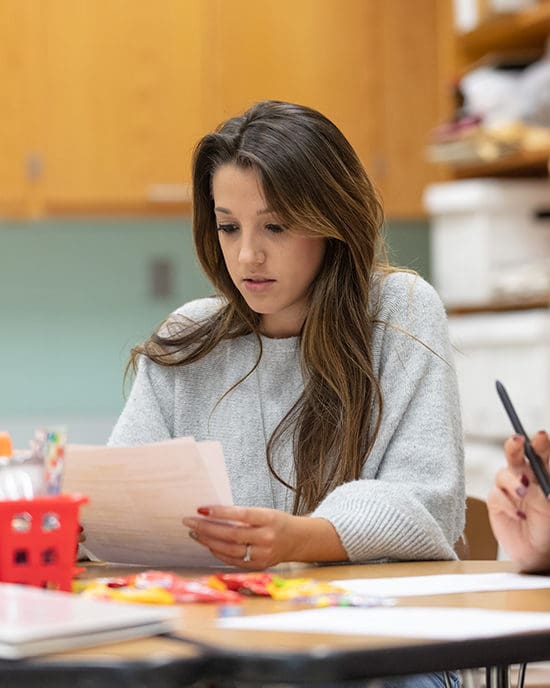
<point x="248" y="552"/>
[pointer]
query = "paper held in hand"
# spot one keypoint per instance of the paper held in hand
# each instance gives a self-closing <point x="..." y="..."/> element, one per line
<point x="139" y="495"/>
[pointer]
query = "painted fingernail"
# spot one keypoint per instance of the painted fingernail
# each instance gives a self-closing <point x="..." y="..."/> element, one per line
<point x="205" y="511"/>
<point x="522" y="515"/>
<point x="542" y="433"/>
<point x="516" y="438"/>
<point x="194" y="536"/>
<point x="521" y="491"/>
<point x="524" y="480"/>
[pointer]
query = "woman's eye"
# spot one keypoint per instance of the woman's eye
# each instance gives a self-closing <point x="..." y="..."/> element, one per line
<point x="276" y="229"/>
<point x="227" y="228"/>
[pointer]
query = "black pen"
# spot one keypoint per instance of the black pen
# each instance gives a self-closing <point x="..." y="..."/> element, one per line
<point x="537" y="464"/>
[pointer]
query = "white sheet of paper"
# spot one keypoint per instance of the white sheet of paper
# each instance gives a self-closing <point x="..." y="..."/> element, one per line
<point x="138" y="496"/>
<point x="442" y="584"/>
<point x="404" y="622"/>
<point x="35" y="621"/>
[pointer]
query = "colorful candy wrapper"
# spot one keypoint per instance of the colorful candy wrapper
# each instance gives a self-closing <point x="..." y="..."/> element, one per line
<point x="247" y="583"/>
<point x="103" y="591"/>
<point x="184" y="589"/>
<point x="156" y="587"/>
<point x="300" y="588"/>
<point x="163" y="587"/>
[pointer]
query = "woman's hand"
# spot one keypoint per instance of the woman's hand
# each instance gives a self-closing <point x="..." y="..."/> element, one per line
<point x="256" y="538"/>
<point x="518" y="509"/>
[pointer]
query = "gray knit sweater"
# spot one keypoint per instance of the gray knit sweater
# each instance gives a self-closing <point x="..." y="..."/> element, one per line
<point x="409" y="503"/>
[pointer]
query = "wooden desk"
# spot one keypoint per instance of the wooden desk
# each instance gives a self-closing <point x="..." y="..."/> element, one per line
<point x="204" y="651"/>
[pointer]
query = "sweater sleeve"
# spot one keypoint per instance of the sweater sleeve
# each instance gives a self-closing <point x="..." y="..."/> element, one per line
<point x="148" y="413"/>
<point x="410" y="503"/>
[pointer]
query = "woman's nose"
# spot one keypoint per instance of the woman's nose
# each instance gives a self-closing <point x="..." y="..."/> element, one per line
<point x="251" y="253"/>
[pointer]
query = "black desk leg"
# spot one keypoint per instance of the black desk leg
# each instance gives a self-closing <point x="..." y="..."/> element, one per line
<point x="497" y="677"/>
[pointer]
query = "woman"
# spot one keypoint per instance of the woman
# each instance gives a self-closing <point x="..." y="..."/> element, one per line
<point x="324" y="374"/>
<point x="518" y="509"/>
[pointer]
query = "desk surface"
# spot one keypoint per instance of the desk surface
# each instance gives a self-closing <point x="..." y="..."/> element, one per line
<point x="203" y="650"/>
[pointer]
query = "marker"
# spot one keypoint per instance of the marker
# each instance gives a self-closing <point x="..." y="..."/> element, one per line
<point x="537" y="464"/>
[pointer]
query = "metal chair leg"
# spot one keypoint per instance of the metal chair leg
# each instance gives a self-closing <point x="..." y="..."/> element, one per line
<point x="472" y="678"/>
<point x="521" y="675"/>
<point x="497" y="677"/>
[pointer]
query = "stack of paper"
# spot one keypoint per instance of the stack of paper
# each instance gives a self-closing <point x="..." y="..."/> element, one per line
<point x="447" y="584"/>
<point x="35" y="621"/>
<point x="139" y="495"/>
<point x="400" y="622"/>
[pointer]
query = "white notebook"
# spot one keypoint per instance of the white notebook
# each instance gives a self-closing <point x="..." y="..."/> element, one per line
<point x="34" y="621"/>
<point x="139" y="495"/>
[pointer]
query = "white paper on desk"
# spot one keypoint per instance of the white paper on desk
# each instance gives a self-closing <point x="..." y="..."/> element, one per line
<point x="402" y="622"/>
<point x="442" y="584"/>
<point x="139" y="495"/>
<point x="35" y="621"/>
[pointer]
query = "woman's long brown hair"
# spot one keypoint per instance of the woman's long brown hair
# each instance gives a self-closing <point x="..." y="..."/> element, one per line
<point x="314" y="181"/>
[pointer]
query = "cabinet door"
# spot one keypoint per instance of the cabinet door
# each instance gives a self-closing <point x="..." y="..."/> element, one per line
<point x="313" y="52"/>
<point x="123" y="107"/>
<point x="18" y="107"/>
<point x="106" y="99"/>
<point x="370" y="65"/>
<point x="412" y="98"/>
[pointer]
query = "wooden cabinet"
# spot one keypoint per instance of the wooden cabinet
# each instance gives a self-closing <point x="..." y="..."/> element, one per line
<point x="102" y="105"/>
<point x="411" y="97"/>
<point x="121" y="101"/>
<point x="313" y="52"/>
<point x="106" y="99"/>
<point x="16" y="111"/>
<point x="371" y="66"/>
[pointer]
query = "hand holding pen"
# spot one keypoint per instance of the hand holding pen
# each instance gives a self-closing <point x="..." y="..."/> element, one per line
<point x="539" y="466"/>
<point x="518" y="507"/>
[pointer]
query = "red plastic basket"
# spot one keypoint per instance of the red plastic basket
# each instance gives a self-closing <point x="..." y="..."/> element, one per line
<point x="39" y="539"/>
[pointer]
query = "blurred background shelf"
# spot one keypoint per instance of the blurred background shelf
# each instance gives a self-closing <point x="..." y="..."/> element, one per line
<point x="521" y="164"/>
<point x="490" y="250"/>
<point x="529" y="27"/>
<point x="501" y="306"/>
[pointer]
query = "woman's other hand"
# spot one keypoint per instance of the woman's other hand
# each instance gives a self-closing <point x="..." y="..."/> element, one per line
<point x="518" y="509"/>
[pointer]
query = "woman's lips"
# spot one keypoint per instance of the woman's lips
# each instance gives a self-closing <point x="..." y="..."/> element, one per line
<point x="258" y="284"/>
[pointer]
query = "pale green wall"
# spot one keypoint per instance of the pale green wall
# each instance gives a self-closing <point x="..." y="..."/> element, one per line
<point x="74" y="297"/>
<point x="409" y="245"/>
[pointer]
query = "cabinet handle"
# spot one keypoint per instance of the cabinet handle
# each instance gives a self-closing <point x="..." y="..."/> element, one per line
<point x="169" y="193"/>
<point x="34" y="166"/>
